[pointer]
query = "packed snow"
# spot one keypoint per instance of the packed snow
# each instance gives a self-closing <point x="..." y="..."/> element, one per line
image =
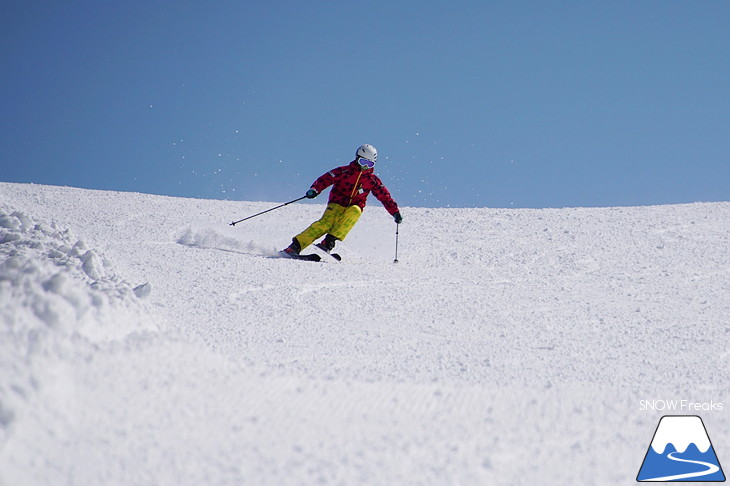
<point x="145" y="341"/>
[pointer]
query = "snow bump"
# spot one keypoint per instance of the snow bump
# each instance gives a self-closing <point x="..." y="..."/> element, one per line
<point x="54" y="292"/>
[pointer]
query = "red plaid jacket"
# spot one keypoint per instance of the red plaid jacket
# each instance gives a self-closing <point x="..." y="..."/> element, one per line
<point x="351" y="186"/>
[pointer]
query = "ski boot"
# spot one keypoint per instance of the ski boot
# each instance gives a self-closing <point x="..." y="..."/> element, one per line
<point x="292" y="251"/>
<point x="327" y="244"/>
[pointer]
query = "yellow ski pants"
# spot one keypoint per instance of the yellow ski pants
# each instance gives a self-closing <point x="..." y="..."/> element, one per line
<point x="337" y="220"/>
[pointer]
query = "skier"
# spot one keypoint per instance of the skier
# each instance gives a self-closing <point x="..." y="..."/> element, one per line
<point x="351" y="185"/>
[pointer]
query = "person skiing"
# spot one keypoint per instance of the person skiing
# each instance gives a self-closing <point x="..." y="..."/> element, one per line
<point x="351" y="186"/>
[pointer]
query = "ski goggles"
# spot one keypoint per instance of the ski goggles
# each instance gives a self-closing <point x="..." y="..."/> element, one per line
<point x="365" y="163"/>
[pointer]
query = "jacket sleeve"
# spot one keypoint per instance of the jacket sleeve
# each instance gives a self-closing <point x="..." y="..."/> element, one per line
<point x="326" y="180"/>
<point x="383" y="195"/>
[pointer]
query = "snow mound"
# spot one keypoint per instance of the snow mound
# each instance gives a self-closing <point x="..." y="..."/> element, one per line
<point x="57" y="295"/>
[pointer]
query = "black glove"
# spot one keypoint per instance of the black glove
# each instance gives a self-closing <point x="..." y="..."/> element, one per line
<point x="398" y="218"/>
<point x="311" y="194"/>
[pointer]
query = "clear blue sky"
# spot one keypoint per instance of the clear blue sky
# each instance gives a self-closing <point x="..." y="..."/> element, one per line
<point x="470" y="103"/>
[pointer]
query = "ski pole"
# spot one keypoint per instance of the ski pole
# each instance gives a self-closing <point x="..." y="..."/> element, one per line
<point x="262" y="212"/>
<point x="397" y="225"/>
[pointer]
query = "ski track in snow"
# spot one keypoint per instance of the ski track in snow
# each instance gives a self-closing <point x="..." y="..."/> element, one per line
<point x="147" y="342"/>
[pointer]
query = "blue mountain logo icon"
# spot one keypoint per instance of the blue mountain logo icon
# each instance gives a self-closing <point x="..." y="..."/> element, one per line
<point x="681" y="451"/>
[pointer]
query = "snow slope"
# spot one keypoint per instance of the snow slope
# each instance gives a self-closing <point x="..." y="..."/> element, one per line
<point x="144" y="341"/>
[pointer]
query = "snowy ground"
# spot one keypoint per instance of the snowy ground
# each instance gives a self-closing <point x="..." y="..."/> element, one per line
<point x="144" y="341"/>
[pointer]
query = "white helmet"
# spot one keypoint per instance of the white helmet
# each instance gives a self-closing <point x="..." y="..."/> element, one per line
<point x="367" y="151"/>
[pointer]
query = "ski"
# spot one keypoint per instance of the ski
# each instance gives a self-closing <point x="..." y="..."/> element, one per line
<point x="310" y="258"/>
<point x="336" y="256"/>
